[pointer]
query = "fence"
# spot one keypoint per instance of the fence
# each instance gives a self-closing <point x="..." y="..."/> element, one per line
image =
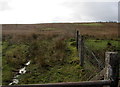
<point x="109" y="73"/>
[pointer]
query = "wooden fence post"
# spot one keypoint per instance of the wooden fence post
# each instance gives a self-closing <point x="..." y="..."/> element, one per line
<point x="77" y="37"/>
<point x="112" y="68"/>
<point x="81" y="49"/>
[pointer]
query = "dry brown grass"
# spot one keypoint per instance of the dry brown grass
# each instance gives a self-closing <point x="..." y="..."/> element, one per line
<point x="109" y="30"/>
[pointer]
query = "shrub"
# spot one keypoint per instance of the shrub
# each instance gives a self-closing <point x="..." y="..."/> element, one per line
<point x="16" y="56"/>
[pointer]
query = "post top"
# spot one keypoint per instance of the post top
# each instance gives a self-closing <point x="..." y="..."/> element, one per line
<point x="111" y="52"/>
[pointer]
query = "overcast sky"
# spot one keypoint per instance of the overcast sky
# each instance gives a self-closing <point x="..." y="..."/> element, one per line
<point x="55" y="11"/>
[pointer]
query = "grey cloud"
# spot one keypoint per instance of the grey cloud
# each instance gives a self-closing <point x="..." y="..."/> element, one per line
<point x="93" y="11"/>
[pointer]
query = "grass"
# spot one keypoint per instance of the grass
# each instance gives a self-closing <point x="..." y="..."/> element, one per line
<point x="7" y="74"/>
<point x="99" y="47"/>
<point x="70" y="71"/>
<point x="66" y="73"/>
<point x="13" y="58"/>
<point x="101" y="44"/>
<point x="91" y="24"/>
<point x="54" y="70"/>
<point x="48" y="29"/>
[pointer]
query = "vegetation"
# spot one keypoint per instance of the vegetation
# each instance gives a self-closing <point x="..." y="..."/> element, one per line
<point x="62" y="67"/>
<point x="52" y="51"/>
<point x="99" y="44"/>
<point x="91" y="24"/>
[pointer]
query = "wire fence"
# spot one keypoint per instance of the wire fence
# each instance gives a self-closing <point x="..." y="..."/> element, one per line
<point x="93" y="59"/>
<point x="89" y="58"/>
<point x="92" y="62"/>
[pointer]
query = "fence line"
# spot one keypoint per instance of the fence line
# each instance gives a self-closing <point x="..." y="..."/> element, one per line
<point x="81" y="47"/>
<point x="111" y="70"/>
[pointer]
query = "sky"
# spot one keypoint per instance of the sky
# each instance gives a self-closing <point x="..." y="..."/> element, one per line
<point x="57" y="11"/>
